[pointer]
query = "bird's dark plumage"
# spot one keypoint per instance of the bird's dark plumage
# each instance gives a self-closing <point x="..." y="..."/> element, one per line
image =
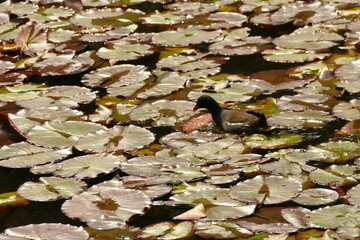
<point x="233" y="121"/>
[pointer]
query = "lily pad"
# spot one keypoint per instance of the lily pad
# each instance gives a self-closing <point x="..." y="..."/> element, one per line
<point x="316" y="196"/>
<point x="306" y="119"/>
<point x="165" y="84"/>
<point x="179" y="140"/>
<point x="273" y="141"/>
<point x="184" y="37"/>
<point x="307" y="40"/>
<point x="334" y="216"/>
<point x="88" y="166"/>
<point x="125" y="51"/>
<point x="106" y="208"/>
<point x="168" y="231"/>
<point x="163" y="112"/>
<point x="51" y="189"/>
<point x="21" y="155"/>
<point x="118" y="138"/>
<point x="53" y="231"/>
<point x="221" y="230"/>
<point x="266" y="190"/>
<point x="292" y="55"/>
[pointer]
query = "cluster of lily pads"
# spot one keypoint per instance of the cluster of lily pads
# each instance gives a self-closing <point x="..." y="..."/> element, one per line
<point x="88" y="87"/>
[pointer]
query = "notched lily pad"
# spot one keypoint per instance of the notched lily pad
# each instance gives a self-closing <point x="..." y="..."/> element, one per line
<point x="167" y="230"/>
<point x="106" y="208"/>
<point x="115" y="139"/>
<point x="51" y="189"/>
<point x="163" y="112"/>
<point x="316" y="196"/>
<point x="88" y="166"/>
<point x="267" y="190"/>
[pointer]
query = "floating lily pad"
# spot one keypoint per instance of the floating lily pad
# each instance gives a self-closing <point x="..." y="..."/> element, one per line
<point x="165" y="84"/>
<point x="308" y="40"/>
<point x="236" y="92"/>
<point x="125" y="51"/>
<point x="306" y="119"/>
<point x="169" y="168"/>
<point x="162" y="18"/>
<point x="178" y="139"/>
<point x="292" y="55"/>
<point x="21" y="92"/>
<point x="53" y="231"/>
<point x="88" y="166"/>
<point x="316" y="196"/>
<point x="353" y="195"/>
<point x="273" y="141"/>
<point x="184" y="37"/>
<point x="168" y="230"/>
<point x="51" y="189"/>
<point x="21" y="155"/>
<point x="118" y="138"/>
<point x="107" y="208"/>
<point x="334" y="216"/>
<point x="116" y="76"/>
<point x="163" y="112"/>
<point x="247" y="46"/>
<point x="221" y="230"/>
<point x="348" y="110"/>
<point x="64" y="64"/>
<point x="266" y="190"/>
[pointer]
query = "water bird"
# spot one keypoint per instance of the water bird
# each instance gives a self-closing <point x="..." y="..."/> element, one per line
<point x="231" y="121"/>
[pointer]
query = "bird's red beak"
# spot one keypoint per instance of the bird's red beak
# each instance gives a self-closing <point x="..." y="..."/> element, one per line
<point x="196" y="107"/>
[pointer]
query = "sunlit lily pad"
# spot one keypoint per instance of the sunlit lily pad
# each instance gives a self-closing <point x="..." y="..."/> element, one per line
<point x="51" y="189"/>
<point x="349" y="74"/>
<point x="306" y="119"/>
<point x="221" y="230"/>
<point x="334" y="216"/>
<point x="21" y="92"/>
<point x="174" y="168"/>
<point x="104" y="17"/>
<point x="348" y="110"/>
<point x="353" y="195"/>
<point x="186" y="63"/>
<point x="162" y="18"/>
<point x="273" y="141"/>
<point x="316" y="196"/>
<point x="106" y="208"/>
<point x="236" y="92"/>
<point x="124" y="51"/>
<point x="118" y="138"/>
<point x="281" y="167"/>
<point x="292" y="55"/>
<point x="184" y="37"/>
<point x="246" y="46"/>
<point x="167" y="231"/>
<point x="163" y="112"/>
<point x="179" y="139"/>
<point x="323" y="177"/>
<point x="11" y="199"/>
<point x="88" y="166"/>
<point x="307" y="40"/>
<point x="266" y="190"/>
<point x="64" y="64"/>
<point x="165" y="84"/>
<point x="116" y="76"/>
<point x="20" y="155"/>
<point x="53" y="231"/>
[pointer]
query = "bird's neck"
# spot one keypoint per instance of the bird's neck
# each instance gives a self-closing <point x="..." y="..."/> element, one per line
<point x="215" y="110"/>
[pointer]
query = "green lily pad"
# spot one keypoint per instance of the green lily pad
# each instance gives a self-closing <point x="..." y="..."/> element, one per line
<point x="273" y="141"/>
<point x="316" y="196"/>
